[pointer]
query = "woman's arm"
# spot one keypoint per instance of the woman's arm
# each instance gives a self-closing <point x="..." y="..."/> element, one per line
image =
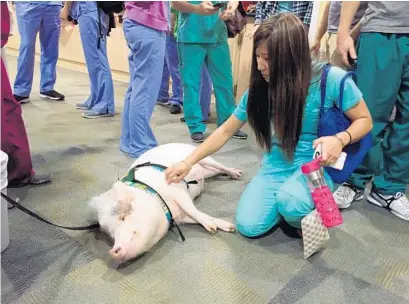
<point x="322" y="29"/>
<point x="65" y="12"/>
<point x="204" y="8"/>
<point x="361" y="124"/>
<point x="211" y="145"/>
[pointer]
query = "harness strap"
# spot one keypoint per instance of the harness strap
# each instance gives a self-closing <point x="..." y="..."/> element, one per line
<point x="31" y="213"/>
<point x="172" y="220"/>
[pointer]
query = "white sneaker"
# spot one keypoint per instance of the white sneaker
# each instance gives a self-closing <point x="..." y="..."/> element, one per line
<point x="346" y="194"/>
<point x="398" y="204"/>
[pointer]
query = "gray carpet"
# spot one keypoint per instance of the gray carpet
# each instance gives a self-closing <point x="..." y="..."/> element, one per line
<point x="366" y="261"/>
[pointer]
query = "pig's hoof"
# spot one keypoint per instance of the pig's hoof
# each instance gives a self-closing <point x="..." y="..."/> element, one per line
<point x="224" y="225"/>
<point x="209" y="225"/>
<point x="235" y="173"/>
<point x="115" y="265"/>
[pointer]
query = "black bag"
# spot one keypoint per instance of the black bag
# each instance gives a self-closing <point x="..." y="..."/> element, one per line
<point x="111" y="7"/>
<point x="237" y="24"/>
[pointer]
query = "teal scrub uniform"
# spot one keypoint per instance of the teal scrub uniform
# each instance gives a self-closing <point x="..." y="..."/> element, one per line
<point x="383" y="76"/>
<point x="203" y="39"/>
<point x="279" y="189"/>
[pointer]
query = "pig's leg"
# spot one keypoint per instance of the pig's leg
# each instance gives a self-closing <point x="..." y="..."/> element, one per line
<point x="221" y="224"/>
<point x="184" y="201"/>
<point x="213" y="168"/>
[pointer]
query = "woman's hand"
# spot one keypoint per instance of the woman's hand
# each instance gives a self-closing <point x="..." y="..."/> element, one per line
<point x="64" y="13"/>
<point x="230" y="10"/>
<point x="177" y="172"/>
<point x="205" y="8"/>
<point x="331" y="148"/>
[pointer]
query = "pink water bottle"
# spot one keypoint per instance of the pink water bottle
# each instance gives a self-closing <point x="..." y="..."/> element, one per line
<point x="321" y="194"/>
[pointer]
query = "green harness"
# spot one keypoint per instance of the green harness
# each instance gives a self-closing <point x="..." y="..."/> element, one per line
<point x="132" y="182"/>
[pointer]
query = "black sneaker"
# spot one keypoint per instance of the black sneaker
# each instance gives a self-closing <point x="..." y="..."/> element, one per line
<point x="175" y="109"/>
<point x="22" y="99"/>
<point x="197" y="137"/>
<point x="53" y="95"/>
<point x="240" y="135"/>
<point x="183" y="120"/>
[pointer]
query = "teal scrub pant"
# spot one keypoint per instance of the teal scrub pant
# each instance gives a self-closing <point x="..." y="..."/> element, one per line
<point x="383" y="78"/>
<point x="216" y="56"/>
<point x="271" y="197"/>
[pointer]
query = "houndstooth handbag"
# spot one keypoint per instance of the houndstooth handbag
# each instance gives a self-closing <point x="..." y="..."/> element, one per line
<point x="315" y="234"/>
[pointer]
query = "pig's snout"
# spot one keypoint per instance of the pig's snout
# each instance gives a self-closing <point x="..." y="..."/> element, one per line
<point x="117" y="253"/>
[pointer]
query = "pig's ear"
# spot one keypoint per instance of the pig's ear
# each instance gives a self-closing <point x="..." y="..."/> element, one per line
<point x="122" y="192"/>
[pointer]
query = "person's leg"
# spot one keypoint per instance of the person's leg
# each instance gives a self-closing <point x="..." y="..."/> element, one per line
<point x="29" y="18"/>
<point x="257" y="210"/>
<point x="205" y="93"/>
<point x="379" y="78"/>
<point x="101" y="102"/>
<point x="173" y="65"/>
<point x="190" y="65"/>
<point x="294" y="200"/>
<point x="219" y="65"/>
<point x="49" y="39"/>
<point x="220" y="70"/>
<point x="14" y="141"/>
<point x="163" y="98"/>
<point x="148" y="52"/>
<point x="390" y="185"/>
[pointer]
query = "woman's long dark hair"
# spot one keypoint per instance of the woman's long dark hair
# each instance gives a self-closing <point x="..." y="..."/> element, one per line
<point x="280" y="102"/>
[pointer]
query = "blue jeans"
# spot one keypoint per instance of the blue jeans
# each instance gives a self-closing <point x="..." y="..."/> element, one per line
<point x="34" y="18"/>
<point x="102" y="98"/>
<point x="147" y="53"/>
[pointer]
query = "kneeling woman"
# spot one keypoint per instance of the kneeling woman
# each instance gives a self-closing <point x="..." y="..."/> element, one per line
<point x="282" y="106"/>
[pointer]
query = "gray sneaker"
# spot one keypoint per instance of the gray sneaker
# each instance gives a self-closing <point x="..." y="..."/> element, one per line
<point x="240" y="135"/>
<point x="346" y="194"/>
<point x="92" y="114"/>
<point x="197" y="137"/>
<point x="81" y="106"/>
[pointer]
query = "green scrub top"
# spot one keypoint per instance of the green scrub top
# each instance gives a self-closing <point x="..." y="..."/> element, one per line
<point x="194" y="28"/>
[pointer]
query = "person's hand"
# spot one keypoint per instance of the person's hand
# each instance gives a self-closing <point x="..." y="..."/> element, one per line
<point x="177" y="172"/>
<point x="64" y="13"/>
<point x="315" y="47"/>
<point x="345" y="47"/>
<point x="205" y="8"/>
<point x="230" y="10"/>
<point x="331" y="148"/>
<point x="250" y="35"/>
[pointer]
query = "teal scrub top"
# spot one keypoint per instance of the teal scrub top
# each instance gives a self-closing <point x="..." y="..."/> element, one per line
<point x="304" y="150"/>
<point x="194" y="28"/>
<point x="285" y="6"/>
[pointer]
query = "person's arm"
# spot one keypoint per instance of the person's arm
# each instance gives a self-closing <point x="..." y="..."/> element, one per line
<point x="345" y="43"/>
<point x="65" y="12"/>
<point x="211" y="145"/>
<point x="204" y="8"/>
<point x="322" y="29"/>
<point x="356" y="30"/>
<point x="230" y="10"/>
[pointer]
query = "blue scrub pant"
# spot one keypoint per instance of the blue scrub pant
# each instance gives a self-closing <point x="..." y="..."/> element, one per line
<point x="101" y="99"/>
<point x="271" y="197"/>
<point x="34" y="18"/>
<point x="147" y="53"/>
<point x="171" y="68"/>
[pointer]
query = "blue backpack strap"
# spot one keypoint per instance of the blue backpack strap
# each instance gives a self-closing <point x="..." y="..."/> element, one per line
<point x="324" y="76"/>
<point x="342" y="86"/>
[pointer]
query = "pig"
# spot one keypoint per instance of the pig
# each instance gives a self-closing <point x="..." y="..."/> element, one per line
<point x="136" y="218"/>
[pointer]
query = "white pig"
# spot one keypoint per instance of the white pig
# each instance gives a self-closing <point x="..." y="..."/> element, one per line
<point x="136" y="218"/>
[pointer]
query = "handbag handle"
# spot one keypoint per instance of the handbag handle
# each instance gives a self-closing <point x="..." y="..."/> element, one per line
<point x="324" y="76"/>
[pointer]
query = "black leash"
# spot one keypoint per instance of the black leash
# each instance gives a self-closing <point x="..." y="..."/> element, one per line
<point x="29" y="212"/>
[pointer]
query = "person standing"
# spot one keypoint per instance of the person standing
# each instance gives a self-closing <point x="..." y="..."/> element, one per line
<point x="35" y="17"/>
<point x="94" y="23"/>
<point x="383" y="77"/>
<point x="202" y="39"/>
<point x="145" y="26"/>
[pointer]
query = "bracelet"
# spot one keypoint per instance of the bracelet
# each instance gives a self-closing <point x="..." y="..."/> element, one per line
<point x="187" y="164"/>
<point x="350" y="137"/>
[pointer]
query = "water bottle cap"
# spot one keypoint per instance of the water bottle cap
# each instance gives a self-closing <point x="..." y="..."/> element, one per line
<point x="311" y="166"/>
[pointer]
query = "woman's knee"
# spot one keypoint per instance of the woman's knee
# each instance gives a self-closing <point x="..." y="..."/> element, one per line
<point x="293" y="208"/>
